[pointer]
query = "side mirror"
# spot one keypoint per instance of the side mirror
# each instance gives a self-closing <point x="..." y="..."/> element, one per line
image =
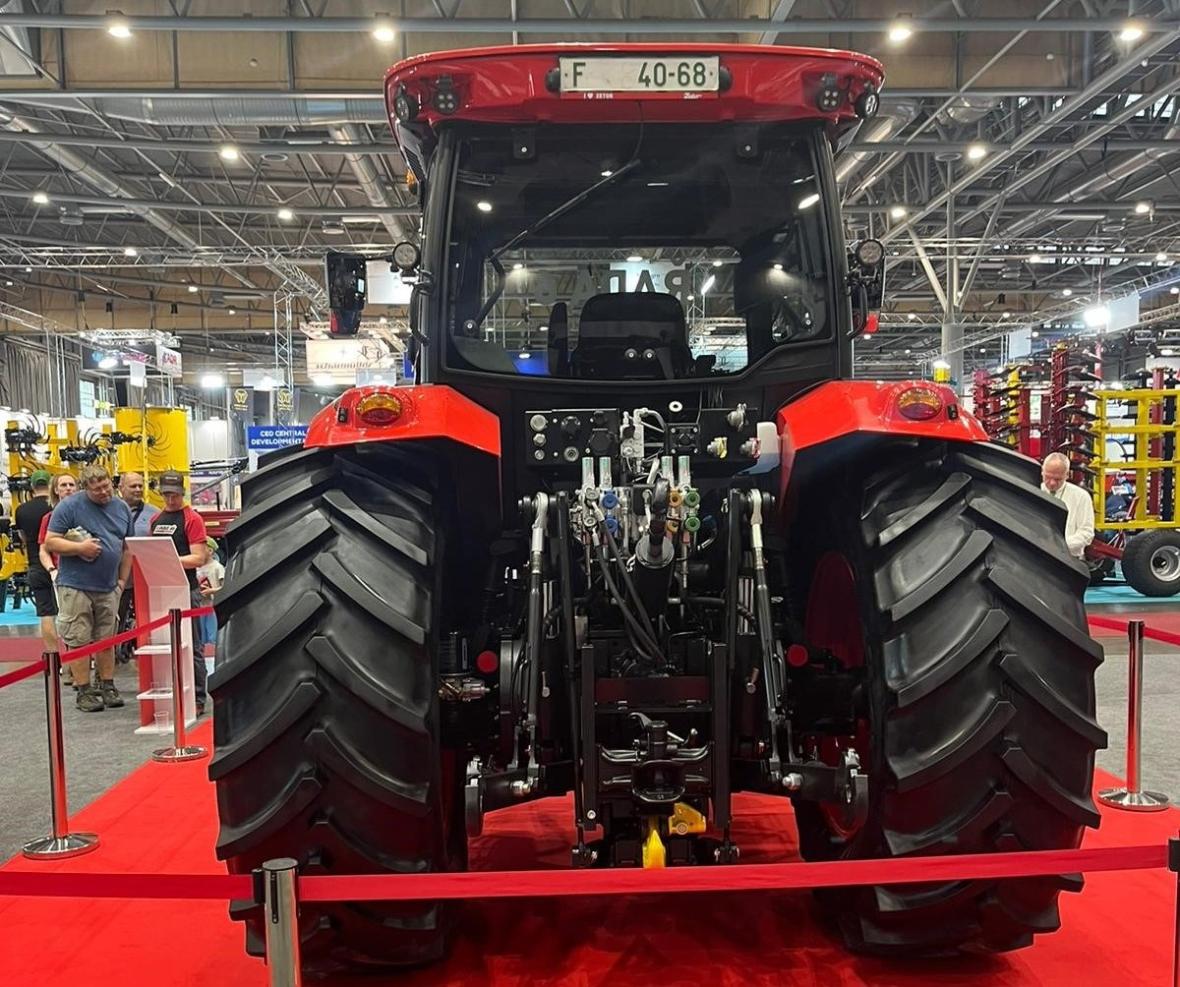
<point x="347" y="281"/>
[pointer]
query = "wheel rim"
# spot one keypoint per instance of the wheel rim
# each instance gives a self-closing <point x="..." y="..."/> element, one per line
<point x="1165" y="563"/>
<point x="832" y="622"/>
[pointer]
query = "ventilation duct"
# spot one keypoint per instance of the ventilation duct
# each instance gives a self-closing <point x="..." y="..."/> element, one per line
<point x="172" y="111"/>
<point x="894" y="116"/>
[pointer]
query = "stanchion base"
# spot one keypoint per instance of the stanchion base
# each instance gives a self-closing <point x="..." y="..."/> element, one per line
<point x="60" y="847"/>
<point x="179" y="753"/>
<point x="1120" y="798"/>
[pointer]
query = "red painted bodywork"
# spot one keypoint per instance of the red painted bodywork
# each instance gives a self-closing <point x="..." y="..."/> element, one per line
<point x="429" y="411"/>
<point x="841" y="407"/>
<point x="507" y="85"/>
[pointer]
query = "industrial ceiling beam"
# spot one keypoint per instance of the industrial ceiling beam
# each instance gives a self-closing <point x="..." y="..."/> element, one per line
<point x="572" y="26"/>
<point x="1129" y="63"/>
<point x="175" y="146"/>
<point x="214" y="208"/>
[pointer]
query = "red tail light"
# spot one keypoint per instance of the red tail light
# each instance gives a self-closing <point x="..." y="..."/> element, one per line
<point x="379" y="409"/>
<point x="919" y="404"/>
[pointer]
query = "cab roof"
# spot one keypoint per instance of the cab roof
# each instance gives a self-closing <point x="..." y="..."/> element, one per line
<point x="522" y="85"/>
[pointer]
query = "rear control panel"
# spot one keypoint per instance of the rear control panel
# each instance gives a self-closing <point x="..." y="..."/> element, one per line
<point x="564" y="436"/>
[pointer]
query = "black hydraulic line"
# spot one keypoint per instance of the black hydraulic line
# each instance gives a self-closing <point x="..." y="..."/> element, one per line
<point x="565" y="573"/>
<point x="632" y="621"/>
<point x="649" y="635"/>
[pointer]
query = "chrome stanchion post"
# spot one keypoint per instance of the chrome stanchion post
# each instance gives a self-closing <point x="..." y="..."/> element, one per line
<point x="179" y="751"/>
<point x="1132" y="797"/>
<point x="281" y="904"/>
<point x="62" y="843"/>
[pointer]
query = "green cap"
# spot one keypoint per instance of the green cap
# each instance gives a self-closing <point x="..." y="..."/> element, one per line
<point x="39" y="478"/>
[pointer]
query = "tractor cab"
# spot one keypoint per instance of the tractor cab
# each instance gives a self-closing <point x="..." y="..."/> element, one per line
<point x="636" y="215"/>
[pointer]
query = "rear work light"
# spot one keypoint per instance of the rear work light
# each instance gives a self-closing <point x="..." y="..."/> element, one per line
<point x="379" y="409"/>
<point x="919" y="404"/>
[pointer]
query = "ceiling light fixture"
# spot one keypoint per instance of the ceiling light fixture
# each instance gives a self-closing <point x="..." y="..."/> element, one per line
<point x="1132" y="31"/>
<point x="117" y="27"/>
<point x="901" y="30"/>
<point x="809" y="200"/>
<point x="130" y="252"/>
<point x="1066" y="292"/>
<point x="227" y="152"/>
<point x="716" y="263"/>
<point x="1142" y="207"/>
<point x="1161" y="258"/>
<point x="193" y="289"/>
<point x="976" y="152"/>
<point x="383" y="30"/>
<point x="634" y="259"/>
<point x="483" y="206"/>
<point x="911" y="317"/>
<point x="778" y="267"/>
<point x="285" y="214"/>
<point x="41" y="198"/>
<point x="897" y="212"/>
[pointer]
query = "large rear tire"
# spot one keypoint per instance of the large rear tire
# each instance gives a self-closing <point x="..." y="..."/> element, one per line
<point x="325" y="697"/>
<point x="980" y="731"/>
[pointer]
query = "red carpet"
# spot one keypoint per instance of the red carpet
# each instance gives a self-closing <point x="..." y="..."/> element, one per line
<point x="162" y="820"/>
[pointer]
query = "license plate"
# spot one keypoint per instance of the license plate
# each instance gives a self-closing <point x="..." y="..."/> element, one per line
<point x="606" y="78"/>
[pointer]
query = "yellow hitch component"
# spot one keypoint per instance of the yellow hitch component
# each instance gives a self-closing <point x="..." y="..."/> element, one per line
<point x="653" y="847"/>
<point x="685" y="819"/>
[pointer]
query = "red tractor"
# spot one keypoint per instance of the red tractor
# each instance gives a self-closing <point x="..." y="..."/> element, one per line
<point x="632" y="534"/>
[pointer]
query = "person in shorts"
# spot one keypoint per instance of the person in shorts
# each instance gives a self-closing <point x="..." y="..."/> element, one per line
<point x="62" y="486"/>
<point x="88" y="532"/>
<point x="27" y="518"/>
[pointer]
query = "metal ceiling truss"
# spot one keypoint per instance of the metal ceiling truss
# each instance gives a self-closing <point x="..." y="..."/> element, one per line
<point x="1108" y="115"/>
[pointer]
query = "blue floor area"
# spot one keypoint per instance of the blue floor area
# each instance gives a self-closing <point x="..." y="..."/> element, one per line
<point x="1110" y="592"/>
<point x="22" y="616"/>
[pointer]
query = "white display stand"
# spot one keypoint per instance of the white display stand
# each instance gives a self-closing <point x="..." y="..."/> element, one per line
<point x="161" y="585"/>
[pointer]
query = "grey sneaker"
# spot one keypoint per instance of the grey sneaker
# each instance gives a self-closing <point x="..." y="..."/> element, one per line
<point x="89" y="700"/>
<point x="110" y="695"/>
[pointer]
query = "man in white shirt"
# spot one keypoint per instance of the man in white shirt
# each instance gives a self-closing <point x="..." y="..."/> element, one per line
<point x="1079" y="523"/>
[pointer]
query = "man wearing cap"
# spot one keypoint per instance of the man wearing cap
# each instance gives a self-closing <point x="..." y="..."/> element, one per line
<point x="88" y="532"/>
<point x="186" y="528"/>
<point x="27" y="519"/>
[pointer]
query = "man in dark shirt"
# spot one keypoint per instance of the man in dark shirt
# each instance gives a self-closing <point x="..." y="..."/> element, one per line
<point x="27" y="518"/>
<point x="186" y="528"/>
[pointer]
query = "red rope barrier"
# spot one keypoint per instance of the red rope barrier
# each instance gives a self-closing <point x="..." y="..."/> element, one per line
<point x="109" y="642"/>
<point x="1157" y="635"/>
<point x="221" y="887"/>
<point x="1108" y="624"/>
<point x="22" y="673"/>
<point x="197" y="612"/>
<point x="567" y="883"/>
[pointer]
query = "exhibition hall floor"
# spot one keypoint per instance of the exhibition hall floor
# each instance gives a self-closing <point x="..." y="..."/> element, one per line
<point x="162" y="819"/>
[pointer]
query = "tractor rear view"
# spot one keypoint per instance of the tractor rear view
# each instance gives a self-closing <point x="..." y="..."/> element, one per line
<point x="632" y="535"/>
